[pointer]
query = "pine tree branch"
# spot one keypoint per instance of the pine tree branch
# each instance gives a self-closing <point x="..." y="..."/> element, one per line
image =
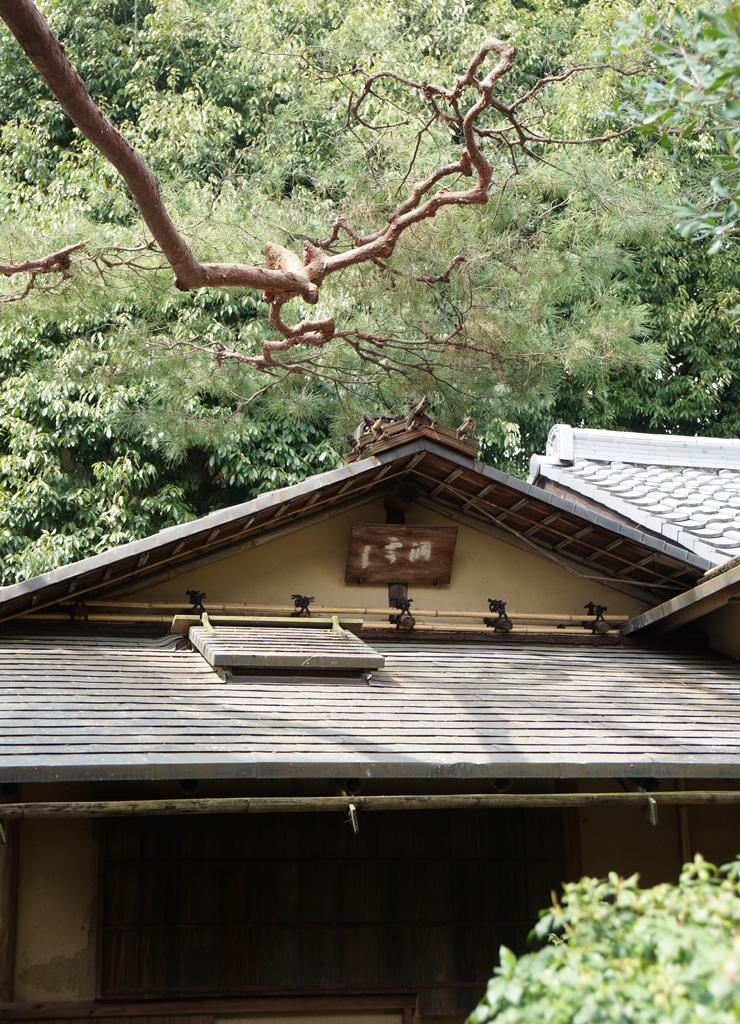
<point x="286" y="275"/>
<point x="47" y="55"/>
<point x="17" y="296"/>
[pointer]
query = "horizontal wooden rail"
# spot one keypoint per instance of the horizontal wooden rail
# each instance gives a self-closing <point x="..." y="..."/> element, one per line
<point x="107" y="618"/>
<point x="290" y="804"/>
<point x="319" y="610"/>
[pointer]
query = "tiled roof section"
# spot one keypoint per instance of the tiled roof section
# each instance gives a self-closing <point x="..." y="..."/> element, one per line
<point x="97" y="709"/>
<point x="686" y="489"/>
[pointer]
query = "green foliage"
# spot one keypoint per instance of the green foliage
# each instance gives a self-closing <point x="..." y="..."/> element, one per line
<point x="75" y="480"/>
<point x="578" y="301"/>
<point x="618" y="954"/>
<point x="691" y="297"/>
<point x="696" y="95"/>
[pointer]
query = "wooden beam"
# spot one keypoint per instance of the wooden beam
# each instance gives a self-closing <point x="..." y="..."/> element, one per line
<point x="481" y="494"/>
<point x="363" y="804"/>
<point x="506" y="534"/>
<point x="583" y="532"/>
<point x="240" y="612"/>
<point x="572" y="859"/>
<point x="638" y="565"/>
<point x="503" y="513"/>
<point x="136" y="581"/>
<point x="538" y="526"/>
<point x="520" y="503"/>
<point x="142" y="583"/>
<point x="606" y="549"/>
<point x="447" y="480"/>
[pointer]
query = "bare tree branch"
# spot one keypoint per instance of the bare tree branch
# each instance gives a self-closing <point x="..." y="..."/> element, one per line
<point x="51" y="264"/>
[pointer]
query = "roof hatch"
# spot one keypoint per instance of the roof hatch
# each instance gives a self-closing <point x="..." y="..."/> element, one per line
<point x="322" y="644"/>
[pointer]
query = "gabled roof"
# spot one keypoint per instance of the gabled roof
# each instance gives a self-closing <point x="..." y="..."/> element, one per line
<point x="95" y="709"/>
<point x="449" y="481"/>
<point x="685" y="489"/>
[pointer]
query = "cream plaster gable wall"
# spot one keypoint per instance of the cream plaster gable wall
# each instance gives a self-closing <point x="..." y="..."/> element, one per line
<point x="722" y="626"/>
<point x="312" y="561"/>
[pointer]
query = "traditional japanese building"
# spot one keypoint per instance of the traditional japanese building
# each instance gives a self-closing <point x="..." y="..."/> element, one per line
<point x="317" y="756"/>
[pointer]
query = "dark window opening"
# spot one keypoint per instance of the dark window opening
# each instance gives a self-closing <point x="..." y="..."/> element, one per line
<point x="282" y="904"/>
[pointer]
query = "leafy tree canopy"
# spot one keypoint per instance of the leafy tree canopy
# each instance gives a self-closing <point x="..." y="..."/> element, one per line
<point x="73" y="482"/>
<point x="695" y="94"/>
<point x="616" y="953"/>
<point x="579" y="301"/>
<point x="258" y="139"/>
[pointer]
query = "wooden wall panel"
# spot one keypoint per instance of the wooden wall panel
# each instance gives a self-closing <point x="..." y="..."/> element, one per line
<point x="416" y="902"/>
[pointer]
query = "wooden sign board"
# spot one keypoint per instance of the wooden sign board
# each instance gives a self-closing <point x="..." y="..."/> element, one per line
<point x="400" y="554"/>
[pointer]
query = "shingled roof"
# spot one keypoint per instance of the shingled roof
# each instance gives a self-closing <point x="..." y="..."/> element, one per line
<point x="686" y="489"/>
<point x="100" y="709"/>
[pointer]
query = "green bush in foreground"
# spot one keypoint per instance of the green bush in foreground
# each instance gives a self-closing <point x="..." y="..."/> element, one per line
<point x="617" y="953"/>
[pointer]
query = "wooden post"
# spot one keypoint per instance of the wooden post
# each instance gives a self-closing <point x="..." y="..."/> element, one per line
<point x="8" y="908"/>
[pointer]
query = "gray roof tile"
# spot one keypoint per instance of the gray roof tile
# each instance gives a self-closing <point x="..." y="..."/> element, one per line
<point x="684" y="488"/>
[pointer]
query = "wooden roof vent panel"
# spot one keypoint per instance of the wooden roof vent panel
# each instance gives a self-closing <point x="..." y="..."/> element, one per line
<point x="301" y="648"/>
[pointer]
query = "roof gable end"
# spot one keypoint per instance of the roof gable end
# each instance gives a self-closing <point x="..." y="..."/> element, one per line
<point x="449" y="480"/>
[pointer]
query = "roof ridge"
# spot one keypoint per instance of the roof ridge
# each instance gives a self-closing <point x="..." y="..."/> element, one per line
<point x="567" y="444"/>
